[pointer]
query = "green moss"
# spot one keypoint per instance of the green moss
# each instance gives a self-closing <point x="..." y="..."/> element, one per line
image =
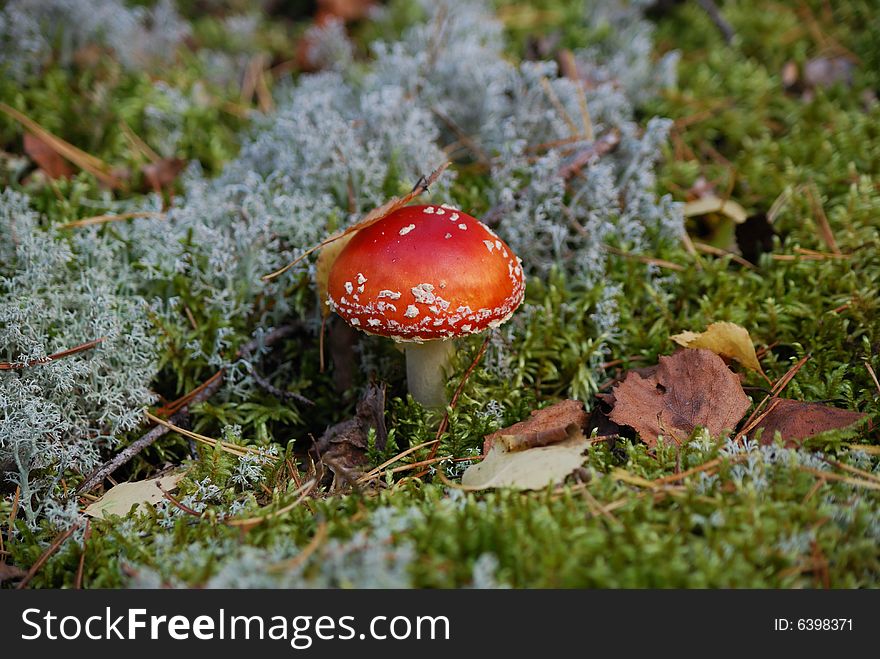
<point x="762" y="522"/>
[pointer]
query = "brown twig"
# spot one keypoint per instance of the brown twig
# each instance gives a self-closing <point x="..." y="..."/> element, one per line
<point x="660" y="263"/>
<point x="41" y="561"/>
<point x="9" y="366"/>
<point x="77" y="583"/>
<point x="594" y="150"/>
<point x="306" y="553"/>
<point x="444" y="424"/>
<point x="103" y="219"/>
<point x="718" y="20"/>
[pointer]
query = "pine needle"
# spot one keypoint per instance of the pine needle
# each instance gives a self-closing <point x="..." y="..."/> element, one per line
<point x="85" y="161"/>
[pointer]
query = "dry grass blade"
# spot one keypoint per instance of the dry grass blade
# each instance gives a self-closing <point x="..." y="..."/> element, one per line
<point x="228" y="447"/>
<point x="85" y="161"/>
<point x="7" y="366"/>
<point x="594" y="150"/>
<point x="306" y="553"/>
<point x="183" y="401"/>
<point x="831" y="476"/>
<point x="822" y="219"/>
<point x="46" y="555"/>
<point x="300" y="494"/>
<point x="873" y="376"/>
<point x="139" y="145"/>
<point x="660" y="263"/>
<point x="867" y="475"/>
<point x="77" y="582"/>
<point x="103" y="219"/>
<point x="377" y="470"/>
<point x="445" y="422"/>
<point x="717" y="251"/>
<point x="706" y="466"/>
<point x="395" y="203"/>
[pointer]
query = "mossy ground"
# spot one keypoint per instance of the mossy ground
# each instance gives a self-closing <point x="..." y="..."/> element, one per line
<point x="768" y="522"/>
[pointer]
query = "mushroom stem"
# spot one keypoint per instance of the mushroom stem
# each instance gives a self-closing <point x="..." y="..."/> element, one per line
<point x="427" y="367"/>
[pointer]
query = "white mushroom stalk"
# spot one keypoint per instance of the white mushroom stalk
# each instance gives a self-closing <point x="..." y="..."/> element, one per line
<point x="427" y="369"/>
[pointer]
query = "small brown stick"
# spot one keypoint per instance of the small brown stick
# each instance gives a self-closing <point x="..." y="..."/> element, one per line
<point x="822" y="219"/>
<point x="250" y="522"/>
<point x="828" y="475"/>
<point x="706" y="466"/>
<point x="557" y="104"/>
<point x="138" y="143"/>
<point x="816" y="487"/>
<point x="51" y="549"/>
<point x="77" y="583"/>
<point x="8" y="366"/>
<point x="719" y="21"/>
<point x="660" y="263"/>
<point x="873" y="375"/>
<point x="853" y="470"/>
<point x="202" y="393"/>
<point x="177" y="503"/>
<point x="103" y="219"/>
<point x="717" y="251"/>
<point x="375" y="471"/>
<point x="595" y="506"/>
<point x="186" y="399"/>
<point x="98" y="168"/>
<point x="306" y="553"/>
<point x="444" y="424"/>
<point x="464" y="138"/>
<point x="596" y="149"/>
<point x="145" y="440"/>
<point x="281" y="394"/>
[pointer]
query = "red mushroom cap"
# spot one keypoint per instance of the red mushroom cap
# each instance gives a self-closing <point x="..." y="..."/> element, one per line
<point x="424" y="273"/>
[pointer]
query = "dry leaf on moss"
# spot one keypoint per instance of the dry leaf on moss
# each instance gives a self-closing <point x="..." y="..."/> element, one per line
<point x="119" y="499"/>
<point x="712" y="204"/>
<point x="726" y="339"/>
<point x="689" y="389"/>
<point x="542" y="427"/>
<point x="47" y="159"/>
<point x="532" y="469"/>
<point x="796" y="421"/>
<point x="10" y="573"/>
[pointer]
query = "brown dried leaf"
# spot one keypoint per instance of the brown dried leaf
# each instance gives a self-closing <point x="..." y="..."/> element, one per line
<point x="78" y="157"/>
<point x="10" y="572"/>
<point x="162" y="174"/>
<point x="119" y="499"/>
<point x="533" y="469"/>
<point x="726" y="339"/>
<point x="343" y="447"/>
<point x="691" y="388"/>
<point x="796" y="421"/>
<point x="541" y="426"/>
<point x="47" y="159"/>
<point x="346" y="10"/>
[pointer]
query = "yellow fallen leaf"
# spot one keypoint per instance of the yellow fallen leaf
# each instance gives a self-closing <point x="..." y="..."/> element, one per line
<point x="713" y="204"/>
<point x="726" y="339"/>
<point x="119" y="499"/>
<point x="532" y="469"/>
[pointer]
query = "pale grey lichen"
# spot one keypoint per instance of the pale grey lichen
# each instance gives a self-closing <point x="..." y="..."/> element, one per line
<point x="56" y="295"/>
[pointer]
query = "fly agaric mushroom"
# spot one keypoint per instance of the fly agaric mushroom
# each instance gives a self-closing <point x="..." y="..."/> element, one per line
<point x="425" y="275"/>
